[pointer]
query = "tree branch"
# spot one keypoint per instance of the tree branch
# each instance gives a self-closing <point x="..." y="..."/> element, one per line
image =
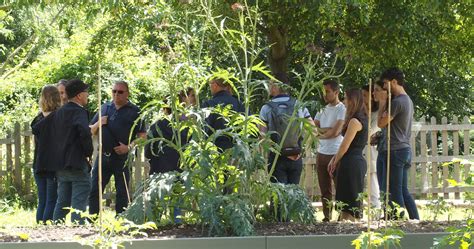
<point x="24" y="44"/>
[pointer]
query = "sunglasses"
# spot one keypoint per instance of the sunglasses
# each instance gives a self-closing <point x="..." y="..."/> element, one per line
<point x="118" y="91"/>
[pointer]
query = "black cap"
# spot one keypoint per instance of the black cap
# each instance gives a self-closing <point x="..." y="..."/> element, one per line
<point x="74" y="87"/>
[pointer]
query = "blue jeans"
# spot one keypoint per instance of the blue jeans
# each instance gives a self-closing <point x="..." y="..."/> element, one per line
<point x="382" y="172"/>
<point x="73" y="189"/>
<point x="47" y="195"/>
<point x="110" y="166"/>
<point x="400" y="162"/>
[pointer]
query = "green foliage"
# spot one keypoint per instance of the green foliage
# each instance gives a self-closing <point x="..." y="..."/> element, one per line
<point x="112" y="231"/>
<point x="438" y="207"/>
<point x="369" y="240"/>
<point x="458" y="236"/>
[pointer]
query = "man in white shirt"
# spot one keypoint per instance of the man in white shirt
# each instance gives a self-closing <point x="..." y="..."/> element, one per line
<point x="329" y="121"/>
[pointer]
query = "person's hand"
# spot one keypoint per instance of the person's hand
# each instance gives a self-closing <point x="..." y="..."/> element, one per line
<point x="294" y="157"/>
<point x="374" y="139"/>
<point x="332" y="167"/>
<point x="104" y="120"/>
<point x="121" y="149"/>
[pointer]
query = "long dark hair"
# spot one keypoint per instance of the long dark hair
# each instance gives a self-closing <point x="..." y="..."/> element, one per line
<point x="374" y="105"/>
<point x="355" y="105"/>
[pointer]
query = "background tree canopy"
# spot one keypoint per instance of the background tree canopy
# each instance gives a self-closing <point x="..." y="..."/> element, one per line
<point x="143" y="42"/>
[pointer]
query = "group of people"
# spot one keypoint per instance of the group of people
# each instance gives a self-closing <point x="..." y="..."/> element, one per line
<point x="343" y="135"/>
<point x="64" y="147"/>
<point x="63" y="133"/>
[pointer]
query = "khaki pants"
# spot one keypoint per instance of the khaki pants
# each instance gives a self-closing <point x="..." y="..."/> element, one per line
<point x="325" y="183"/>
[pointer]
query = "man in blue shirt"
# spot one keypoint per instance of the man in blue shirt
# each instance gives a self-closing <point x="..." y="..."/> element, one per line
<point x="221" y="97"/>
<point x="118" y="122"/>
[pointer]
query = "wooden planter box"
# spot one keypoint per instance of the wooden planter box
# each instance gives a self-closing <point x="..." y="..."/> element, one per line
<point x="410" y="241"/>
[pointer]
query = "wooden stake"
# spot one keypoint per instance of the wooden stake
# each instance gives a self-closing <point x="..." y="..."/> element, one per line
<point x="99" y="100"/>
<point x="387" y="190"/>
<point x="369" y="161"/>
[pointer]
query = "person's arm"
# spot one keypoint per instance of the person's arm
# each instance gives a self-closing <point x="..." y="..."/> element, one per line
<point x="95" y="127"/>
<point x="383" y="119"/>
<point x="352" y="128"/>
<point x="264" y="117"/>
<point x="85" y="136"/>
<point x="332" y="132"/>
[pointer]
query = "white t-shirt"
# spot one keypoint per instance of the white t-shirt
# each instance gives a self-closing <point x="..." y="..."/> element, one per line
<point x="327" y="119"/>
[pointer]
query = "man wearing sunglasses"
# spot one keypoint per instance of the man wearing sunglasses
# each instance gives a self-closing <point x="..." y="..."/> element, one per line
<point x="119" y="123"/>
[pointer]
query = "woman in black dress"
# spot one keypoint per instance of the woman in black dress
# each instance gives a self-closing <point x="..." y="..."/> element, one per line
<point x="349" y="163"/>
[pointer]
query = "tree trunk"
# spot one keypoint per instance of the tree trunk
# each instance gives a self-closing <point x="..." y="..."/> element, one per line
<point x="278" y="53"/>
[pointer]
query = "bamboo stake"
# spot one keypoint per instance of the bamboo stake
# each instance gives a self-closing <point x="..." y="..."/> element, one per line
<point x="387" y="190"/>
<point x="369" y="162"/>
<point x="126" y="187"/>
<point x="99" y="100"/>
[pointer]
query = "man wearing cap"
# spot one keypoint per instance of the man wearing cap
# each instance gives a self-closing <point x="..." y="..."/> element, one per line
<point x="118" y="123"/>
<point x="73" y="142"/>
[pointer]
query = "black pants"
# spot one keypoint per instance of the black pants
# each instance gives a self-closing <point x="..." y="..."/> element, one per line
<point x="286" y="170"/>
<point x="110" y="166"/>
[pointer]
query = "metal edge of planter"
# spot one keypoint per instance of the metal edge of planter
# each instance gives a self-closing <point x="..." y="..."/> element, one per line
<point x="410" y="240"/>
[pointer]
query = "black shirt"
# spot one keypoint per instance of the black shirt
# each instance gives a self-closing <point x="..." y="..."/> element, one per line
<point x="360" y="140"/>
<point x="163" y="158"/>
<point x="222" y="98"/>
<point x="64" y="139"/>
<point x="119" y="125"/>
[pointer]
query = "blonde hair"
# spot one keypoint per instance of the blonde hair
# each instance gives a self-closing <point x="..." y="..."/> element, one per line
<point x="49" y="100"/>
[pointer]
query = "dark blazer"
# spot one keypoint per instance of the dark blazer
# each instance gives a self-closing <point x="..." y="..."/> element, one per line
<point x="216" y="122"/>
<point x="163" y="158"/>
<point x="67" y="139"/>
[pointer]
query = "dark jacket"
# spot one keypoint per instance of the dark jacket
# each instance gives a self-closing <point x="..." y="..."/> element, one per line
<point x="40" y="138"/>
<point x="216" y="122"/>
<point x="67" y="139"/>
<point x="163" y="158"/>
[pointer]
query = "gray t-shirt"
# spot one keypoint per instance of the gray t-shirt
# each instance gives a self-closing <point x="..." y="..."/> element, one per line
<point x="400" y="126"/>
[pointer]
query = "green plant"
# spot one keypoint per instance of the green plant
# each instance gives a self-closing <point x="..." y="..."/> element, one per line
<point x="461" y="236"/>
<point x="112" y="231"/>
<point x="439" y="207"/>
<point x="370" y="240"/>
<point x="458" y="236"/>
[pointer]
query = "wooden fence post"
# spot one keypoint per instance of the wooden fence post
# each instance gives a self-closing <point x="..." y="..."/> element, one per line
<point x="17" y="170"/>
<point x="9" y="158"/>
<point x="444" y="138"/>
<point x="457" y="177"/>
<point x="412" y="183"/>
<point x="2" y="172"/>
<point x="28" y="164"/>
<point x="467" y="146"/>
<point x="434" y="165"/>
<point x="423" y="151"/>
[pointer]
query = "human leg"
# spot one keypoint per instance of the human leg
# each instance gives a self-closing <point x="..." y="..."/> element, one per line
<point x="94" y="192"/>
<point x="51" y="197"/>
<point x="122" y="179"/>
<point x="64" y="198"/>
<point x="41" y="188"/>
<point x="325" y="184"/>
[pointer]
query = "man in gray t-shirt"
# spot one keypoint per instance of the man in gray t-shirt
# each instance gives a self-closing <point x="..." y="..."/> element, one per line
<point x="400" y="119"/>
<point x="400" y="130"/>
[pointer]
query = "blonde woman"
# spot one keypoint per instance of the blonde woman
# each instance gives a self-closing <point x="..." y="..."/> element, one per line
<point x="49" y="102"/>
